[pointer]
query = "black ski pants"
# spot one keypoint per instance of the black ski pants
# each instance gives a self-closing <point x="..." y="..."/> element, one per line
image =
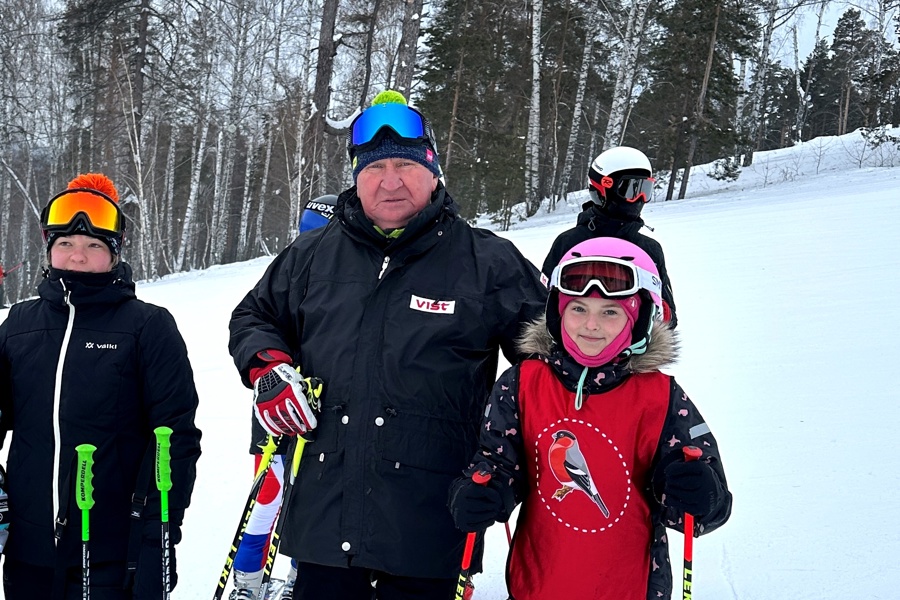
<point x="315" y="582"/>
<point x="22" y="581"/>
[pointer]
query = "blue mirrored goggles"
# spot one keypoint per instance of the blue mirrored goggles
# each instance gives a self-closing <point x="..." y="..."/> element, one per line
<point x="405" y="125"/>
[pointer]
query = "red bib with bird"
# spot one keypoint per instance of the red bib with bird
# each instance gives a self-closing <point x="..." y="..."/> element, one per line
<point x="584" y="531"/>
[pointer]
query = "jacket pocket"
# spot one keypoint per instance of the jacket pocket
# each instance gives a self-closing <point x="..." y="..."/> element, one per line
<point x="429" y="443"/>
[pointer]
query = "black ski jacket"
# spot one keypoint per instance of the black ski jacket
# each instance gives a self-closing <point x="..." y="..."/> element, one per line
<point x="89" y="363"/>
<point x="405" y="334"/>
<point x="593" y="223"/>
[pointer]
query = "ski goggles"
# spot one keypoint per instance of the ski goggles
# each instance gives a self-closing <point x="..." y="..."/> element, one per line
<point x="613" y="276"/>
<point x="405" y="125"/>
<point x="631" y="188"/>
<point x="100" y="213"/>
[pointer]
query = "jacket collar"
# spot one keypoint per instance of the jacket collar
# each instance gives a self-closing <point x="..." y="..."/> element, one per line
<point x="537" y="342"/>
<point x="441" y="209"/>
<point x="88" y="288"/>
<point x="604" y="224"/>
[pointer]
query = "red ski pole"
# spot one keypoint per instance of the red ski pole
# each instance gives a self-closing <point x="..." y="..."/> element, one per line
<point x="690" y="453"/>
<point x="481" y="478"/>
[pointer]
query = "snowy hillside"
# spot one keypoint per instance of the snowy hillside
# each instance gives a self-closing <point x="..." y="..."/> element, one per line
<point x="785" y="351"/>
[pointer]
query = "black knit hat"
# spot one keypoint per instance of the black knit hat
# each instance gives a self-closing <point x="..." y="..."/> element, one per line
<point x="388" y="148"/>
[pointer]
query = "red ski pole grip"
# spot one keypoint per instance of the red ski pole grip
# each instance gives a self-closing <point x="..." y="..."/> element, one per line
<point x="691" y="453"/>
<point x="481" y="478"/>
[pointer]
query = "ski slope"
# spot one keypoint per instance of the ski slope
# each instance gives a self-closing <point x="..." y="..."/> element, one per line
<point x="786" y="349"/>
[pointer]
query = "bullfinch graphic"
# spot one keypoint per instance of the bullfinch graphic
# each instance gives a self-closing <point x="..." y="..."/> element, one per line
<point x="571" y="470"/>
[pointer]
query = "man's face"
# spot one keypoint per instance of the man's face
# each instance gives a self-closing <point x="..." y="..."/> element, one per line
<point x="394" y="190"/>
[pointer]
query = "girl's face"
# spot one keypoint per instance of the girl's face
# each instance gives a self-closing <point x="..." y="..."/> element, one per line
<point x="80" y="253"/>
<point x="593" y="323"/>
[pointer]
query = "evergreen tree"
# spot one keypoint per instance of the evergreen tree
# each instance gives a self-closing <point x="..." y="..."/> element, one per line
<point x="475" y="95"/>
<point x="666" y="114"/>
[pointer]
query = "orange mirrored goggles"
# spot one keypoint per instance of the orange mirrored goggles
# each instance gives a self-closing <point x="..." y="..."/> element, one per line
<point x="99" y="212"/>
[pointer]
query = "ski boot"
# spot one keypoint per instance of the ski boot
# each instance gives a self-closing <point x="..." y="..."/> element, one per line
<point x="246" y="585"/>
<point x="289" y="581"/>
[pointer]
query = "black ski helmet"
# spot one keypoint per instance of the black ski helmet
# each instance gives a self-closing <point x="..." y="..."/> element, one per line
<point x="318" y="212"/>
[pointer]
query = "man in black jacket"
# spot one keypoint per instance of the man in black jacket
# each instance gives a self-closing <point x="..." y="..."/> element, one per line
<point x="400" y="307"/>
<point x="621" y="182"/>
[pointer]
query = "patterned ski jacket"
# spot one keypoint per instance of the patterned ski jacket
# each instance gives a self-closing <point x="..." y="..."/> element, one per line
<point x="89" y="363"/>
<point x="592" y="223"/>
<point x="599" y="535"/>
<point x="405" y="334"/>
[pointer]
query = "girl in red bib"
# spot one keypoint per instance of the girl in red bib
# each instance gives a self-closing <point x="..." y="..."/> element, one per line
<point x="587" y="434"/>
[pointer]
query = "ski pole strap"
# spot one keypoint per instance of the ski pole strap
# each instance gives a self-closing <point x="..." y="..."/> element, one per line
<point x="59" y="573"/>
<point x="138" y="503"/>
<point x="62" y="516"/>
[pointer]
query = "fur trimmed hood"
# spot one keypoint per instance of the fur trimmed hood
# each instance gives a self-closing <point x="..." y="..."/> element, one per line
<point x="661" y="351"/>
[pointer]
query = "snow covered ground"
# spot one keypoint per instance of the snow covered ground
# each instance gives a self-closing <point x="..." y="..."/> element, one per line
<point x="787" y="359"/>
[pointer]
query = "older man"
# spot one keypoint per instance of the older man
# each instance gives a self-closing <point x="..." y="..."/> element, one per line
<point x="400" y="307"/>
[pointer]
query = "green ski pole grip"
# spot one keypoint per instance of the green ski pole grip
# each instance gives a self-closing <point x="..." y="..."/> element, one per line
<point x="163" y="467"/>
<point x="85" y="496"/>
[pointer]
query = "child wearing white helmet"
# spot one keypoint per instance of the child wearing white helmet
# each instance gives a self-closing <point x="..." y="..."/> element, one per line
<point x="620" y="183"/>
<point x="589" y="435"/>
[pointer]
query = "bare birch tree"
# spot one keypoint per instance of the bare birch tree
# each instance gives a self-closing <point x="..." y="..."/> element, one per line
<point x="625" y="73"/>
<point x="592" y="18"/>
<point x="533" y="142"/>
<point x="409" y="45"/>
<point x="803" y="96"/>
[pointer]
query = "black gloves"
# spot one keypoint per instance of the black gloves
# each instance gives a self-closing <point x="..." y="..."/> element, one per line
<point x="692" y="487"/>
<point x="148" y="580"/>
<point x="475" y="507"/>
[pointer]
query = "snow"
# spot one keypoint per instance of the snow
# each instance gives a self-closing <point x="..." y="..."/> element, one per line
<point x="788" y="361"/>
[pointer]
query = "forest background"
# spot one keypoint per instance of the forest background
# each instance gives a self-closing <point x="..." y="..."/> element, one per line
<point x="219" y="119"/>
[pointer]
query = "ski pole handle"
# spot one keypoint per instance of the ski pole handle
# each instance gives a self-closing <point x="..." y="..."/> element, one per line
<point x="690" y="453"/>
<point x="163" y="467"/>
<point x="164" y="484"/>
<point x="84" y="497"/>
<point x="481" y="478"/>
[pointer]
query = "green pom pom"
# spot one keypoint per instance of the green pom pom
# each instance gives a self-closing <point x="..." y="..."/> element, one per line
<point x="389" y="97"/>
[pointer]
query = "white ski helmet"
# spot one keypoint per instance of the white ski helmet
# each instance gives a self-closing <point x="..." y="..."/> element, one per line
<point x="621" y="180"/>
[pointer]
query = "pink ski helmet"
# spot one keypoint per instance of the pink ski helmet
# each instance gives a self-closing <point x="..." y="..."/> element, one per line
<point x="635" y="273"/>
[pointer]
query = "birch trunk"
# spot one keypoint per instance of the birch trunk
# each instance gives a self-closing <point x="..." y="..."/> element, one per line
<point x="169" y="198"/>
<point x="753" y="122"/>
<point x="803" y="92"/>
<point x="201" y="132"/>
<point x="587" y="51"/>
<point x="532" y="143"/>
<point x="631" y="46"/>
<point x="409" y="43"/>
<point x="321" y="99"/>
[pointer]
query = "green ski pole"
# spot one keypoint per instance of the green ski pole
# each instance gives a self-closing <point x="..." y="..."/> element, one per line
<point x="84" y="497"/>
<point x="164" y="484"/>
